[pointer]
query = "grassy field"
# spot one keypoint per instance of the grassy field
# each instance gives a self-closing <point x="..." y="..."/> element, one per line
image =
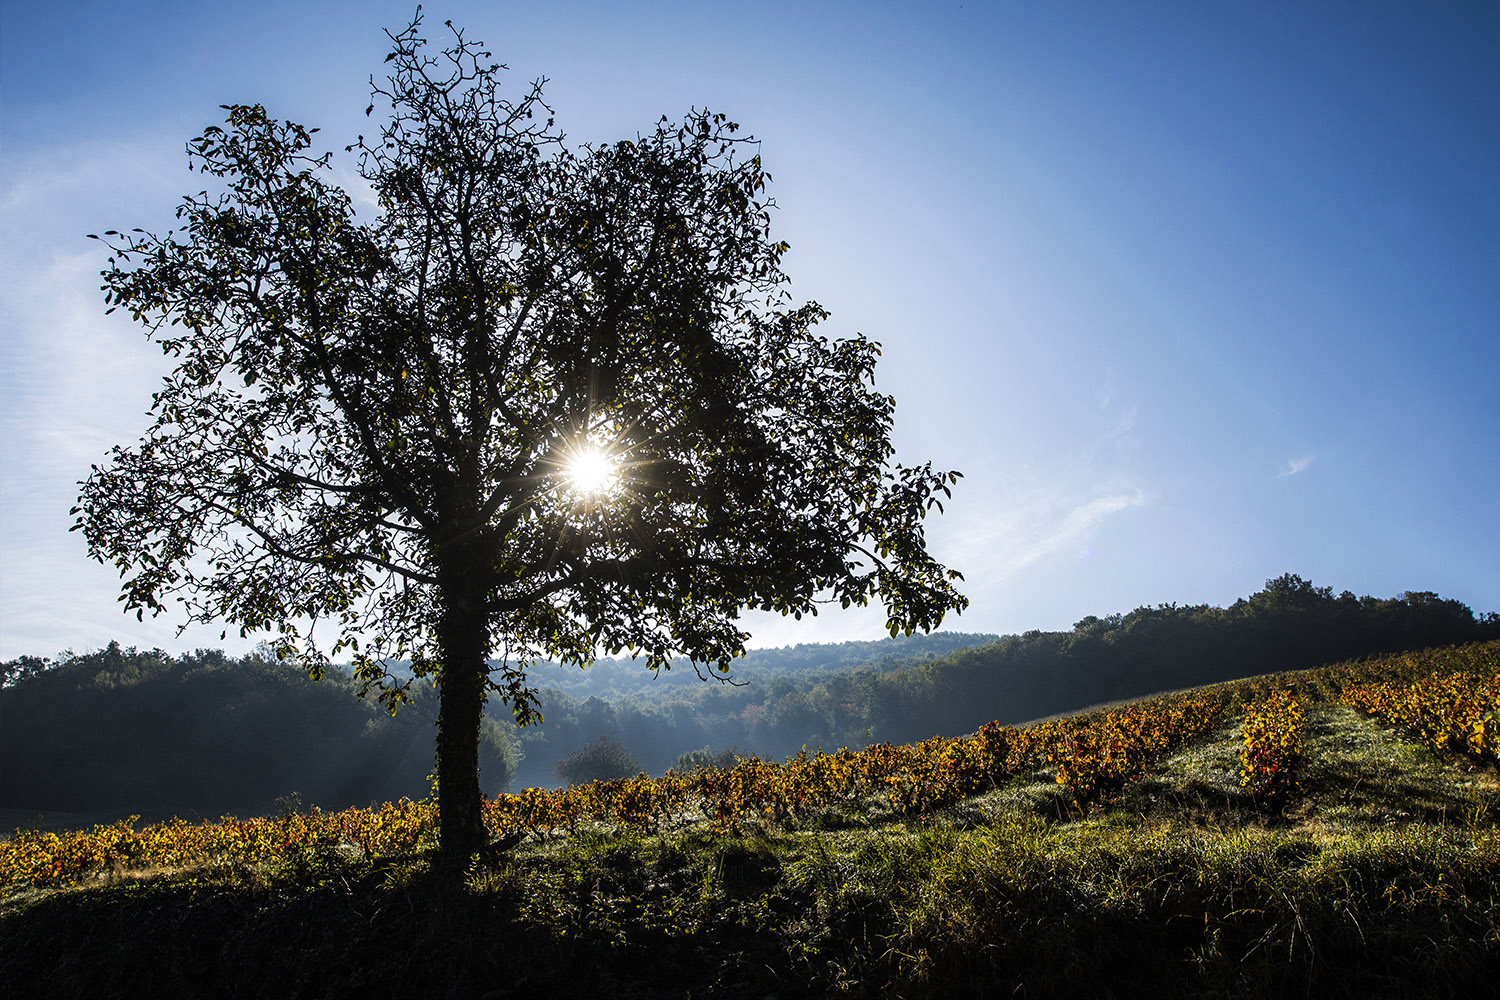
<point x="1377" y="875"/>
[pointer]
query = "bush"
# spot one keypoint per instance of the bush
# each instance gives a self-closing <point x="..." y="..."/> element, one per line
<point x="725" y="758"/>
<point x="601" y="760"/>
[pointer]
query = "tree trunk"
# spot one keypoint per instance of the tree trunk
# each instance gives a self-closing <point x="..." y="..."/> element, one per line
<point x="463" y="644"/>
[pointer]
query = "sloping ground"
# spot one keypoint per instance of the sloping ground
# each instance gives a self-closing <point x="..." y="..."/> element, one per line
<point x="1380" y="876"/>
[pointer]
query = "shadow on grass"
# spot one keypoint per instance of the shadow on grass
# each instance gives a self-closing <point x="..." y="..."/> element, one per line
<point x="1362" y="774"/>
<point x="530" y="927"/>
<point x="1013" y="906"/>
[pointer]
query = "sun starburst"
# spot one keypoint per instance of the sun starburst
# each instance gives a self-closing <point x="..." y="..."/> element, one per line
<point x="592" y="471"/>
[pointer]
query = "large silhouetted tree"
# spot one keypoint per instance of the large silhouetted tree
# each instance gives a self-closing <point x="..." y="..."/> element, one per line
<point x="364" y="446"/>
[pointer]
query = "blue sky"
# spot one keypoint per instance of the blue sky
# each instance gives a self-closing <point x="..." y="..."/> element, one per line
<point x="1193" y="294"/>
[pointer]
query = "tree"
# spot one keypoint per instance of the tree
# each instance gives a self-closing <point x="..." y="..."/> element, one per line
<point x="548" y="401"/>
<point x="22" y="668"/>
<point x="708" y="757"/>
<point x="601" y="760"/>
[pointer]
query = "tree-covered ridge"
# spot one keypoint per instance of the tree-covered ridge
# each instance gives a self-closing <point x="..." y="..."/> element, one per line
<point x="613" y="678"/>
<point x="128" y="730"/>
<point x="1289" y="624"/>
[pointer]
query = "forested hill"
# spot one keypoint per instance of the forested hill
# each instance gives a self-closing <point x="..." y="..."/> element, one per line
<point x="614" y="678"/>
<point x="204" y="733"/>
<point x="1289" y="624"/>
<point x="119" y="731"/>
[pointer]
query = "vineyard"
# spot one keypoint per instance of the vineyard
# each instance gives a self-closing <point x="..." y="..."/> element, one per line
<point x="1093" y="757"/>
<point x="1273" y="732"/>
<point x="1448" y="700"/>
<point x="1265" y="747"/>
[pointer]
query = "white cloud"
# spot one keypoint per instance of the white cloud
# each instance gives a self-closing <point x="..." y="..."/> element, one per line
<point x="1296" y="465"/>
<point x="992" y="540"/>
<point x="999" y="543"/>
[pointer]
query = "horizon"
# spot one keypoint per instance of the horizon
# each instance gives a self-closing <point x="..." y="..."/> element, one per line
<point x="1192" y="298"/>
<point x="623" y="659"/>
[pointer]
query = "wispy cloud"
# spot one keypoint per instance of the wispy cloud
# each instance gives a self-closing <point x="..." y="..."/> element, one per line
<point x="1041" y="517"/>
<point x="1296" y="465"/>
<point x="1008" y="538"/>
<point x="990" y="542"/>
<point x="73" y="382"/>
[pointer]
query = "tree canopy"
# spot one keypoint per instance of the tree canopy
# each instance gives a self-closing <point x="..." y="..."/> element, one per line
<point x="365" y="443"/>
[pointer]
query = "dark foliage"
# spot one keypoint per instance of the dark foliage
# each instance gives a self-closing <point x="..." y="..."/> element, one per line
<point x="122" y="731"/>
<point x="602" y="760"/>
<point x="708" y="757"/>
<point x="1287" y="625"/>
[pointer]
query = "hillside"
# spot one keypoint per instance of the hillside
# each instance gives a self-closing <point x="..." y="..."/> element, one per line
<point x="117" y="732"/>
<point x="1333" y="832"/>
<point x="120" y="732"/>
<point x="1289" y="624"/>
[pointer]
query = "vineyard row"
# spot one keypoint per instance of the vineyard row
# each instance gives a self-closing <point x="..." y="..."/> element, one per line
<point x="1450" y="699"/>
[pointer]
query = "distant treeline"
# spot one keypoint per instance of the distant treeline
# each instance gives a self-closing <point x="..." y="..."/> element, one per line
<point x="123" y="731"/>
<point x="1289" y="624"/>
<point x="135" y="731"/>
<point x="621" y="677"/>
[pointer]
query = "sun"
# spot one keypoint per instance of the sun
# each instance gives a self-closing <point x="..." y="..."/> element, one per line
<point x="592" y="470"/>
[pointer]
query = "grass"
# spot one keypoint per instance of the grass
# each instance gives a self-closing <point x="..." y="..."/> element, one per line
<point x="1380" y="877"/>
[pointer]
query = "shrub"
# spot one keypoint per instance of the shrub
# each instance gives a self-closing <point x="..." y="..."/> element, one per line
<point x="601" y="760"/>
<point x="708" y="758"/>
